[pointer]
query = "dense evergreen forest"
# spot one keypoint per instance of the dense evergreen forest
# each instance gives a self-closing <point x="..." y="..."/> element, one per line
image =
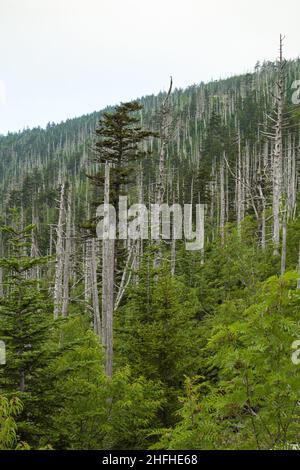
<point x="142" y="344"/>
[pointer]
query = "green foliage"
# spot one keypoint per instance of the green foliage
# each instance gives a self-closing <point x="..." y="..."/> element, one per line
<point x="202" y="358"/>
<point x="158" y="332"/>
<point x="94" y="411"/>
<point x="133" y="406"/>
<point x="80" y="387"/>
<point x="9" y="408"/>
<point x="56" y="368"/>
<point x="118" y="142"/>
<point x="26" y="323"/>
<point x="253" y="400"/>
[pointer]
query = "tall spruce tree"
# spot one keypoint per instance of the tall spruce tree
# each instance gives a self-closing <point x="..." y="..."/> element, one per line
<point x="25" y="327"/>
<point x="117" y="149"/>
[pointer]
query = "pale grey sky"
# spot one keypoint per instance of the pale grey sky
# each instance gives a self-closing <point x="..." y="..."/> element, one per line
<point x="64" y="58"/>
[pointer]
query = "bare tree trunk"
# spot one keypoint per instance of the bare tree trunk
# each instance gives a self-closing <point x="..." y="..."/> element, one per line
<point x="277" y="156"/>
<point x="108" y="301"/>
<point x="95" y="293"/>
<point x="66" y="259"/>
<point x="108" y="277"/>
<point x="263" y="219"/>
<point x="239" y="195"/>
<point x="127" y="273"/>
<point x="283" y="247"/>
<point x="34" y="252"/>
<point x="50" y="241"/>
<point x="58" y="284"/>
<point x="87" y="274"/>
<point x="139" y="241"/>
<point x="164" y="137"/>
<point x="173" y="247"/>
<point x="291" y="178"/>
<point x="222" y="200"/>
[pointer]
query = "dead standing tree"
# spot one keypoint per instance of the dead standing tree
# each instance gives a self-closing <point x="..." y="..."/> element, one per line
<point x="165" y="125"/>
<point x="58" y="283"/>
<point x="278" y="150"/>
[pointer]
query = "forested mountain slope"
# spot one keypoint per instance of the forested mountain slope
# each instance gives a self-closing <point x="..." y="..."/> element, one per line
<point x="221" y="109"/>
<point x="140" y="344"/>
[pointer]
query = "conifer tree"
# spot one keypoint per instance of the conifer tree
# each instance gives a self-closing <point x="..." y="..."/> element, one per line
<point x="25" y="326"/>
<point x="118" y="150"/>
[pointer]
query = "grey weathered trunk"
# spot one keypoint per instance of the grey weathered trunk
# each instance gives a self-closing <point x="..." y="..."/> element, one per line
<point x="239" y="189"/>
<point x="173" y="248"/>
<point x="283" y="245"/>
<point x="94" y="287"/>
<point x="263" y="219"/>
<point x="108" y="277"/>
<point x="87" y="274"/>
<point x="58" y="283"/>
<point x="278" y="157"/>
<point x="291" y="182"/>
<point x="66" y="259"/>
<point x="34" y="251"/>
<point x="160" y="186"/>
<point x="222" y="200"/>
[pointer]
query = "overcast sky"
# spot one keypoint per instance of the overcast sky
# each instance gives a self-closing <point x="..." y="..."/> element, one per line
<point x="64" y="58"/>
